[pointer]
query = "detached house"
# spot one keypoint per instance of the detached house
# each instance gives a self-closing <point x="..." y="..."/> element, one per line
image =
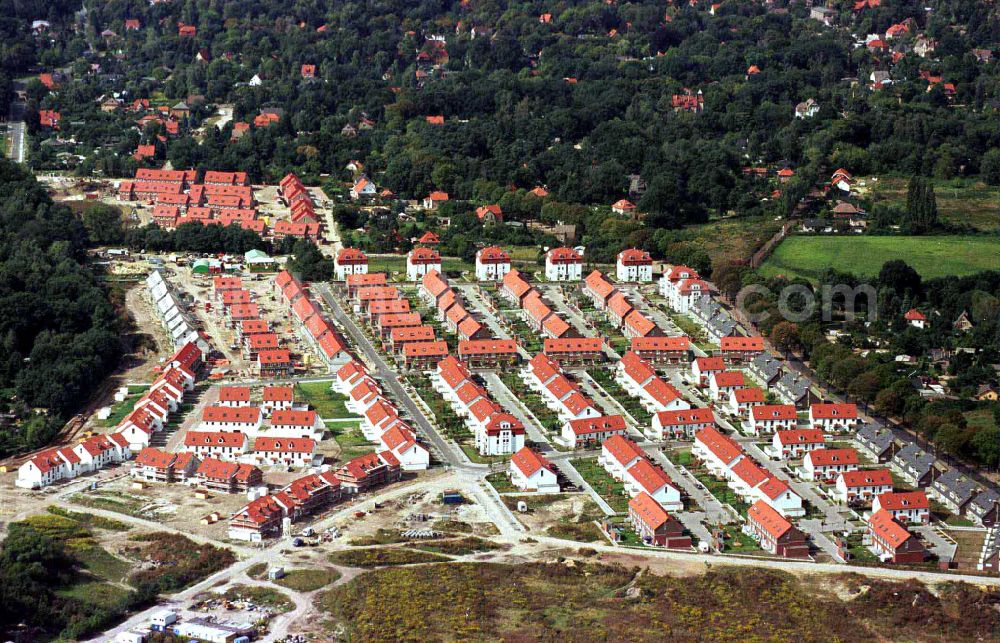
<point x="563" y="264"/>
<point x="634" y="265"/>
<point x="350" y="261"/>
<point x="492" y="264"/>
<point x="420" y="261"/>
<point x="531" y="471"/>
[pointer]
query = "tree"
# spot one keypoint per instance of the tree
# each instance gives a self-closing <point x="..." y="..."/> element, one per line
<point x="104" y="224"/>
<point x="989" y="167"/>
<point x="900" y="278"/>
<point x="785" y="336"/>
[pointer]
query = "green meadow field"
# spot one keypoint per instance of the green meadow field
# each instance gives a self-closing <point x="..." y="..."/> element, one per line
<point x="931" y="256"/>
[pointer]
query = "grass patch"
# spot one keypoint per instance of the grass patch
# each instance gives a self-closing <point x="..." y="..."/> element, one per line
<point x="548" y="418"/>
<point x="90" y="520"/>
<point x="959" y="202"/>
<point x="352" y="442"/>
<point x="718" y="488"/>
<point x="119" y="410"/>
<point x="380" y="537"/>
<point x="308" y="580"/>
<point x="606" y="380"/>
<point x="931" y="256"/>
<point x="458" y="546"/>
<point x="501" y="482"/>
<point x="325" y="401"/>
<point x="383" y="557"/>
<point x="607" y="487"/>
<point x="257" y="570"/>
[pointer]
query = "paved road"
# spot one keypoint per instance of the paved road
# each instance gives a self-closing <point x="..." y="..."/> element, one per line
<point x="386" y="375"/>
<point x="714" y="510"/>
<point x="506" y="399"/>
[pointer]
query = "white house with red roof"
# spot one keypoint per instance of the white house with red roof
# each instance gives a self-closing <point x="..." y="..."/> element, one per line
<point x="420" y="261"/>
<point x="640" y="380"/>
<point x="833" y="418"/>
<point x="47" y="467"/>
<point x="742" y="400"/>
<point x="363" y="188"/>
<point x="634" y="265"/>
<point x="350" y="261"/>
<point x="221" y="445"/>
<point x="795" y="443"/>
<point x="776" y="493"/>
<point x="618" y="454"/>
<point x="719" y="452"/>
<point x="492" y="264"/>
<point x="768" y="418"/>
<point x="402" y="442"/>
<point x="282" y="452"/>
<point x="912" y="507"/>
<point x="277" y="398"/>
<point x="296" y="424"/>
<point x="646" y="477"/>
<point x="722" y="383"/>
<point x="499" y="433"/>
<point x="563" y="264"/>
<point x="828" y="464"/>
<point x="246" y="419"/>
<point x="623" y="206"/>
<point x="234" y="396"/>
<point x="916" y="318"/>
<point x="433" y="200"/>
<point x="681" y="424"/>
<point x="592" y="430"/>
<point x="704" y="367"/>
<point x="99" y="451"/>
<point x="544" y="375"/>
<point x="531" y="471"/>
<point x="862" y="485"/>
<point x="681" y="286"/>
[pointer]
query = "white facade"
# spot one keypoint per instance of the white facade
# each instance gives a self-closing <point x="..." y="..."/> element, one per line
<point x="563" y="270"/>
<point x="542" y="481"/>
<point x="491" y="270"/>
<point x="498" y="438"/>
<point x="633" y="272"/>
<point x="416" y="271"/>
<point x="343" y="270"/>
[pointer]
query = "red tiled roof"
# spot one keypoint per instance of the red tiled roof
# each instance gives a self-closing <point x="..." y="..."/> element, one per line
<point x="600" y="424"/>
<point x="834" y="411"/>
<point x="769" y="520"/>
<point x="648" y="510"/>
<point x="244" y="414"/>
<point x="622" y="449"/>
<point x="828" y="457"/>
<point x="902" y="500"/>
<point x="773" y="412"/>
<point x="867" y="478"/>
<point x="215" y="438"/>
<point x="529" y="462"/>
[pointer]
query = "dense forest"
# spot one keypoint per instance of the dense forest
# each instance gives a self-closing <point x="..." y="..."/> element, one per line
<point x="60" y="333"/>
<point x="577" y="103"/>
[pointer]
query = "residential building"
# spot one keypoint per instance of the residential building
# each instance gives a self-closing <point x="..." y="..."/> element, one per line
<point x="291" y="423"/>
<point x="634" y="266"/>
<point x="661" y="351"/>
<point x="563" y="264"/>
<point x="420" y="261"/>
<point x="654" y="526"/>
<point x="722" y="383"/>
<point x="908" y="507"/>
<point x="767" y="418"/>
<point x="914" y="465"/>
<point x="742" y="400"/>
<point x="681" y="424"/>
<point x="891" y="541"/>
<point x="592" y="430"/>
<point x="827" y="464"/>
<point x="876" y="442"/>
<point x="350" y="261"/>
<point x="222" y="445"/>
<point x="833" y="418"/>
<point x="776" y="533"/>
<point x="492" y="264"/>
<point x="860" y="487"/>
<point x="954" y="490"/>
<point x="531" y="471"/>
<point x="795" y="443"/>
<point x="283" y="452"/>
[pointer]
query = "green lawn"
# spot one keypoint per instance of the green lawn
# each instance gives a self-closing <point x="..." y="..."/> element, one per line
<point x="931" y="256"/>
<point x="607" y="487"/>
<point x="352" y="442"/>
<point x="500" y="482"/>
<point x="324" y="400"/>
<point x="961" y="202"/>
